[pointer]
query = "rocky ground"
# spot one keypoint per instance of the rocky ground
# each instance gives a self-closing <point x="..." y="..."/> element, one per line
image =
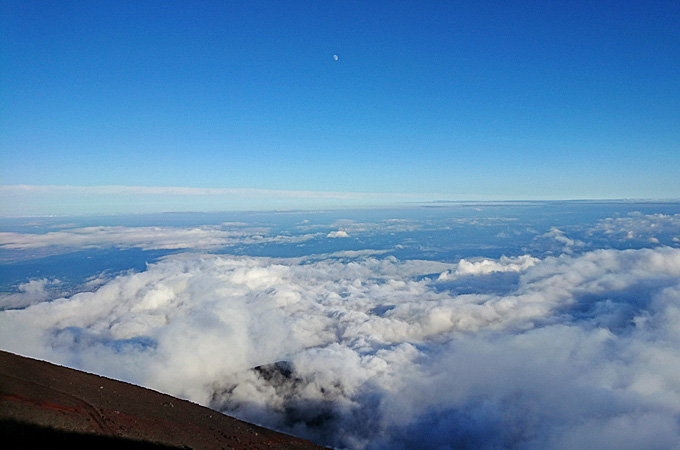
<point x="45" y="404"/>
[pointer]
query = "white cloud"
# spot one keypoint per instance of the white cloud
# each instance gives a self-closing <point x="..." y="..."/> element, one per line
<point x="338" y="234"/>
<point x="561" y="243"/>
<point x="583" y="351"/>
<point x="148" y="238"/>
<point x="33" y="291"/>
<point x="487" y="266"/>
<point x="653" y="228"/>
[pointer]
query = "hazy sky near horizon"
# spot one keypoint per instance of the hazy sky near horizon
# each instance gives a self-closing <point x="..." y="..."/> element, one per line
<point x="438" y="100"/>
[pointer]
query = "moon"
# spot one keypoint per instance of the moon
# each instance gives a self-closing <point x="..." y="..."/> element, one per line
<point x="335" y="57"/>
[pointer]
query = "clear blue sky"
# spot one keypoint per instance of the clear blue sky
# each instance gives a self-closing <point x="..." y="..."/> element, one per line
<point x="507" y="99"/>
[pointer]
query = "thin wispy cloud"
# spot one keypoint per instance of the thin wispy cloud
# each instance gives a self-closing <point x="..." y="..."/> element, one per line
<point x="26" y="200"/>
<point x="189" y="191"/>
<point x="148" y="238"/>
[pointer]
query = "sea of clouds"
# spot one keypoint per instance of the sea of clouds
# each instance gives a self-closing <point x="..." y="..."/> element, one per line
<point x="366" y="351"/>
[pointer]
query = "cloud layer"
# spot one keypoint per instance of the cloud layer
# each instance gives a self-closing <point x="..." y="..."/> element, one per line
<point x="148" y="238"/>
<point x="575" y="351"/>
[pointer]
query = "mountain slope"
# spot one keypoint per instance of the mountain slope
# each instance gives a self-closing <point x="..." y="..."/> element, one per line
<point x="45" y="403"/>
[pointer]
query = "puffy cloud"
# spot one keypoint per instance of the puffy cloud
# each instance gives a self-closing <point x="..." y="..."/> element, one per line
<point x="338" y="234"/>
<point x="579" y="351"/>
<point x="653" y="228"/>
<point x="487" y="266"/>
<point x="557" y="241"/>
<point x="355" y="253"/>
<point x="33" y="291"/>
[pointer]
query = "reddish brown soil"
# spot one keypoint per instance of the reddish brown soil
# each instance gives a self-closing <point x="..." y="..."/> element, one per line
<point x="44" y="403"/>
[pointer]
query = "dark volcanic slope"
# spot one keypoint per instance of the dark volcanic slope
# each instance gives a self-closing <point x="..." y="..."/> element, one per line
<point x="44" y="403"/>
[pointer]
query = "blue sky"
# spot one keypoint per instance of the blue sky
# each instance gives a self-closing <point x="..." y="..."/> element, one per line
<point x="442" y="100"/>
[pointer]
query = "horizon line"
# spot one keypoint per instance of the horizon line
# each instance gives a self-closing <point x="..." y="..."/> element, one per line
<point x="436" y="197"/>
<point x="232" y="200"/>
